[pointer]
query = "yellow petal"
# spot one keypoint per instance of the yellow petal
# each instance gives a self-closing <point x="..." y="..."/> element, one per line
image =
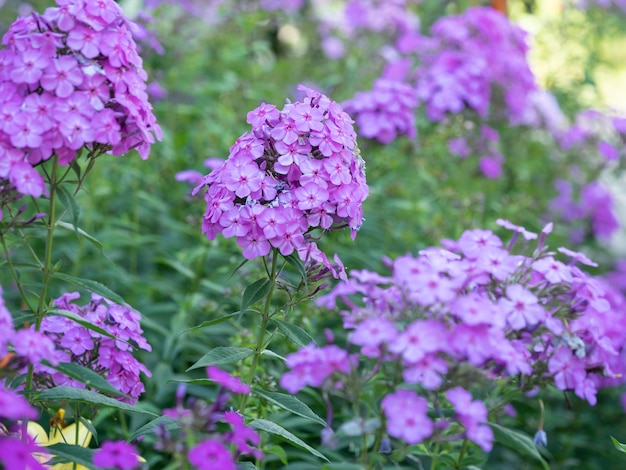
<point x="40" y="436"/>
<point x="67" y="435"/>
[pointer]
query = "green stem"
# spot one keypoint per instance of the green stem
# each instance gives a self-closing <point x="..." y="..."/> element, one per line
<point x="433" y="463"/>
<point x="462" y="453"/>
<point x="264" y="320"/>
<point x="14" y="274"/>
<point x="47" y="264"/>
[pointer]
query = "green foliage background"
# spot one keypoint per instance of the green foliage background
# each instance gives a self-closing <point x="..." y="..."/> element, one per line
<point x="152" y="253"/>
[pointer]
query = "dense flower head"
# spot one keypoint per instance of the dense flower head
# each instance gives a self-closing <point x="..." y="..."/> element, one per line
<point x="467" y="58"/>
<point x="108" y="355"/>
<point x="385" y="112"/>
<point x="606" y="4"/>
<point x="355" y="19"/>
<point x="476" y="304"/>
<point x="298" y="170"/>
<point x="594" y="132"/>
<point x="588" y="210"/>
<point x="70" y="78"/>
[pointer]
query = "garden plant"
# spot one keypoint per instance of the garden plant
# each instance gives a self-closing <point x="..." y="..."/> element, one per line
<point x="311" y="234"/>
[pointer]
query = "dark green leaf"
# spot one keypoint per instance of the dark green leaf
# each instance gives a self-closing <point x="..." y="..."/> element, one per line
<point x="290" y="403"/>
<point x="246" y="466"/>
<point x="239" y="266"/>
<point x="294" y="333"/>
<point x="86" y="376"/>
<point x="295" y="261"/>
<point x="273" y="428"/>
<point x="222" y="355"/>
<point x="215" y="321"/>
<point x="255" y="292"/>
<point x="517" y="441"/>
<point x="81" y="232"/>
<point x="149" y="427"/>
<point x="75" y="394"/>
<point x="69" y="203"/>
<point x="92" y="286"/>
<point x="71" y="453"/>
<point x="82" y="321"/>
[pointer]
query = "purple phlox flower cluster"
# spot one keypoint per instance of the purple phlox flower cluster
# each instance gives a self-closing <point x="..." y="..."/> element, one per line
<point x="350" y="22"/>
<point x="108" y="356"/>
<point x="606" y="4"/>
<point x="467" y="58"/>
<point x="16" y="446"/>
<point x="70" y="78"/>
<point x="543" y="111"/>
<point x="298" y="170"/>
<point x="593" y="211"/>
<point x="385" y="112"/>
<point x="312" y="365"/>
<point x="473" y="305"/>
<point x="116" y="454"/>
<point x="359" y="18"/>
<point x="486" y="145"/>
<point x="205" y="420"/>
<point x="596" y="133"/>
<point x="26" y="345"/>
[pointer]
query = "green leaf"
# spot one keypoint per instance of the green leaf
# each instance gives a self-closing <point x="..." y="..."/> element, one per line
<point x="69" y="203"/>
<point x="289" y="403"/>
<point x="295" y="261"/>
<point x="86" y="376"/>
<point x="71" y="453"/>
<point x="92" y="286"/>
<point x="273" y="428"/>
<point x="294" y="333"/>
<point x="255" y="292"/>
<point x="246" y="466"/>
<point x="269" y="352"/>
<point x="76" y="167"/>
<point x="244" y="262"/>
<point x="278" y="451"/>
<point x="82" y="321"/>
<point x="149" y="427"/>
<point x="75" y="394"/>
<point x="517" y="441"/>
<point x="215" y="321"/>
<point x="618" y="445"/>
<point x="222" y="355"/>
<point x="81" y="232"/>
<point x="343" y="466"/>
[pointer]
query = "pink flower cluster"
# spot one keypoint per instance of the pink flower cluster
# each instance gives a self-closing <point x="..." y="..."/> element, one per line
<point x="473" y="305"/>
<point x="70" y="78"/>
<point x="385" y="112"/>
<point x="589" y="210"/>
<point x="485" y="144"/>
<point x="606" y="4"/>
<point x="595" y="132"/>
<point x="298" y="170"/>
<point x="466" y="59"/>
<point x="109" y="356"/>
<point x="197" y="416"/>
